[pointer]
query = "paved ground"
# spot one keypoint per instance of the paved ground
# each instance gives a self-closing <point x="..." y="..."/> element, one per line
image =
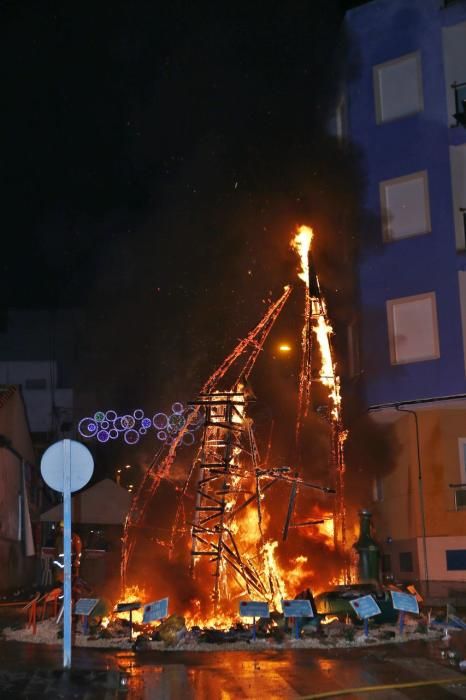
<point x="27" y="671"/>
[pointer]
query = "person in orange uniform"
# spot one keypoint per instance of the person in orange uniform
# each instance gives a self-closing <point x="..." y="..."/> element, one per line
<point x="76" y="551"/>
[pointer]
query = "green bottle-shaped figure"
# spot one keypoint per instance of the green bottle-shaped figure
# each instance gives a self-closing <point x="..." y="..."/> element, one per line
<point x="367" y="549"/>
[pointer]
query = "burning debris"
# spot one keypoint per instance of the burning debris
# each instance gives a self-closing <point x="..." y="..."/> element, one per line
<point x="276" y="632"/>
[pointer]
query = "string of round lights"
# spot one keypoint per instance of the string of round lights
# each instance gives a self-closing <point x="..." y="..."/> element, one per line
<point x="108" y="425"/>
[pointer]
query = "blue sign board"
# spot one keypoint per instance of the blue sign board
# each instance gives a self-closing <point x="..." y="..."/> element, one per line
<point x="297" y="608"/>
<point x="251" y="608"/>
<point x="85" y="606"/>
<point x="156" y="610"/>
<point x="365" y="607"/>
<point x="127" y="607"/>
<point x="405" y="602"/>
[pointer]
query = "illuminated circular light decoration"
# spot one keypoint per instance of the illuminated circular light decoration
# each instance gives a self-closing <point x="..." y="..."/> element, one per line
<point x="102" y="436"/>
<point x="118" y="423"/>
<point x="87" y="427"/>
<point x="188" y="438"/>
<point x="175" y="422"/>
<point x="127" y="422"/>
<point x="108" y="425"/>
<point x="160" y="421"/>
<point x="131" y="437"/>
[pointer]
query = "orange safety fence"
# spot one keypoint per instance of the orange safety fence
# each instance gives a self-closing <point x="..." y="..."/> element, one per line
<point x="30" y="606"/>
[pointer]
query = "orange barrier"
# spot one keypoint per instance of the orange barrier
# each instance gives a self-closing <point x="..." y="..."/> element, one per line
<point x="29" y="606"/>
<point x="31" y="609"/>
<point x="50" y="597"/>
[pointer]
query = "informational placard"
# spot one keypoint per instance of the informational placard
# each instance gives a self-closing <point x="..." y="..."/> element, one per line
<point x="85" y="606"/>
<point x="365" y="607"/>
<point x="156" y="610"/>
<point x="405" y="602"/>
<point x="127" y="607"/>
<point x="251" y="608"/>
<point x="297" y="608"/>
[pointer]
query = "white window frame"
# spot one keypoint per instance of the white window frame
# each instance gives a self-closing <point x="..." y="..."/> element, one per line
<point x="461" y="461"/>
<point x="376" y="75"/>
<point x="385" y="209"/>
<point x="390" y="304"/>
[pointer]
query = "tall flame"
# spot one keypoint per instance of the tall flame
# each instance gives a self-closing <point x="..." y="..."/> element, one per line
<point x="315" y="318"/>
<point x="323" y="331"/>
<point x="301" y="243"/>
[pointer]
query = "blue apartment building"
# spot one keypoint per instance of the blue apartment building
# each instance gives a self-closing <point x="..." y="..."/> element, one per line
<point x="404" y="108"/>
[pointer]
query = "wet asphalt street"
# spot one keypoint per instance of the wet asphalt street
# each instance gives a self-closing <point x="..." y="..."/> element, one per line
<point x="30" y="671"/>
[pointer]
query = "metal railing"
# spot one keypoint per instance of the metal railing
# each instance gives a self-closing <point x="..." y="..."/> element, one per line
<point x="460" y="103"/>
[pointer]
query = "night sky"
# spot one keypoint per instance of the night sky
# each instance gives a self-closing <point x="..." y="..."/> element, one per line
<point x="155" y="159"/>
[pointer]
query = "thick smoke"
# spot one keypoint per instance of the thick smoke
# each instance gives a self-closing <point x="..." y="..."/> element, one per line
<point x="183" y="150"/>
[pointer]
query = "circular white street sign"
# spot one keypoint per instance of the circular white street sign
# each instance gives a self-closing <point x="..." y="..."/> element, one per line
<point x="53" y="460"/>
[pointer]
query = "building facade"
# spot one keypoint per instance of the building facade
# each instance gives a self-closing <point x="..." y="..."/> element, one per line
<point x="404" y="111"/>
<point x="38" y="353"/>
<point x="20" y="494"/>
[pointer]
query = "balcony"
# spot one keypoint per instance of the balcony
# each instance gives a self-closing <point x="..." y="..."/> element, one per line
<point x="460" y="103"/>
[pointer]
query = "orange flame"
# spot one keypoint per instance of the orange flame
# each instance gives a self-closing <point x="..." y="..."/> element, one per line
<point x="131" y="595"/>
<point x="301" y="243"/>
<point x="323" y="331"/>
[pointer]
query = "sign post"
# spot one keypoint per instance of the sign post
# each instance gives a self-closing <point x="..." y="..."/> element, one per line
<point x="66" y="466"/>
<point x="365" y="607"/>
<point x="128" y="607"/>
<point x="84" y="608"/>
<point x="251" y="608"/>
<point x="67" y="553"/>
<point x="297" y="609"/>
<point x="404" y="602"/>
<point x="157" y="610"/>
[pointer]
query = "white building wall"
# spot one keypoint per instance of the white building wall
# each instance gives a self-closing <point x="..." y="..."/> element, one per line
<point x="437" y="559"/>
<point x="39" y="401"/>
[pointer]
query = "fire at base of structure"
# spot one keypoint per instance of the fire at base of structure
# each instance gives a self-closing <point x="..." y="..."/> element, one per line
<point x="229" y="525"/>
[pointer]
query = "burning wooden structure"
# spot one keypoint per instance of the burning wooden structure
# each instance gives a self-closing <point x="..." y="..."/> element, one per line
<point x="228" y="522"/>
